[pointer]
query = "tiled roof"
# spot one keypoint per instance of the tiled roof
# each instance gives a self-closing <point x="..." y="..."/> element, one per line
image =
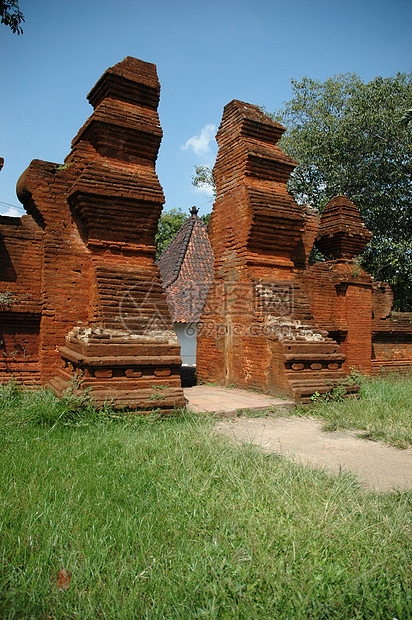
<point x="186" y="266"/>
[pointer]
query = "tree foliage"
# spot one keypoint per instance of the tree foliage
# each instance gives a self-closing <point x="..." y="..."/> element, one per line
<point x="169" y="224"/>
<point x="353" y="138"/>
<point x="203" y="178"/>
<point x="11" y="15"/>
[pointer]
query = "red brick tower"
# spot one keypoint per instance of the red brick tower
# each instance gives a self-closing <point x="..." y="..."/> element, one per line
<point x="104" y="311"/>
<point x="257" y="328"/>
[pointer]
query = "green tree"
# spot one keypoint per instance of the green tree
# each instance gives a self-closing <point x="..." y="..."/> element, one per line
<point x="203" y="178"/>
<point x="352" y="138"/>
<point x="11" y="15"/>
<point x="169" y="224"/>
<point x="206" y="218"/>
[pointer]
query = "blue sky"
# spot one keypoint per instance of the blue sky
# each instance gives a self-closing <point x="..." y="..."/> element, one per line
<point x="207" y="53"/>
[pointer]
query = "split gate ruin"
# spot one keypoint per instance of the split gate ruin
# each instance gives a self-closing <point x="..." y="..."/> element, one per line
<point x="80" y="293"/>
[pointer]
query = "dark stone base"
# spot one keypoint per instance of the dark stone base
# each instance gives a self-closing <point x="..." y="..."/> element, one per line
<point x="188" y="376"/>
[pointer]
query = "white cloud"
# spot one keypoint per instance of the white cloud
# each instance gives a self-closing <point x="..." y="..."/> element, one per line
<point x="205" y="190"/>
<point x="12" y="212"/>
<point x="200" y="144"/>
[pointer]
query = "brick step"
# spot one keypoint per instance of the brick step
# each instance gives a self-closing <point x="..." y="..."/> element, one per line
<point x="137" y="400"/>
<point x="383" y="367"/>
<point x="304" y="389"/>
<point x="314" y="366"/>
<point x="13" y="363"/>
<point x="318" y="374"/>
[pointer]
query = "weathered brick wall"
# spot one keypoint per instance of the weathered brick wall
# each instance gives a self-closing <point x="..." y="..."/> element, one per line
<point x="356" y="311"/>
<point x="391" y="334"/>
<point x="20" y="307"/>
<point x="65" y="261"/>
<point x="19" y="347"/>
<point x="341" y="295"/>
<point x="20" y="260"/>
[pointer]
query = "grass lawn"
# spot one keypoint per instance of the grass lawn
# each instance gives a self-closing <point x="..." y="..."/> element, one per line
<point x="161" y="518"/>
<point x="383" y="410"/>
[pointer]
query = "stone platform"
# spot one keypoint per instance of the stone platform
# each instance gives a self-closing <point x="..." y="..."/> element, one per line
<point x="230" y="401"/>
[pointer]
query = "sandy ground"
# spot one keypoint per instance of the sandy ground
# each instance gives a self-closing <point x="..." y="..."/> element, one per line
<point x="377" y="465"/>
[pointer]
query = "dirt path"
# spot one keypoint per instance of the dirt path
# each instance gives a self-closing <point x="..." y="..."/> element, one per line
<point x="377" y="465"/>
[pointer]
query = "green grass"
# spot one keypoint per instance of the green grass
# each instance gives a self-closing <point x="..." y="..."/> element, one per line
<point x="161" y="518"/>
<point x="383" y="410"/>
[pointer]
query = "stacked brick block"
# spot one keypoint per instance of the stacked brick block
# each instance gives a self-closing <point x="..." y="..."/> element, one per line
<point x="346" y="288"/>
<point x="103" y="312"/>
<point x="346" y="302"/>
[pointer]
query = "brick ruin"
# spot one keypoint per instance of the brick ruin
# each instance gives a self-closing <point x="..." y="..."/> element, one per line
<point x="81" y="293"/>
<point x="272" y="321"/>
<point x="81" y="298"/>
